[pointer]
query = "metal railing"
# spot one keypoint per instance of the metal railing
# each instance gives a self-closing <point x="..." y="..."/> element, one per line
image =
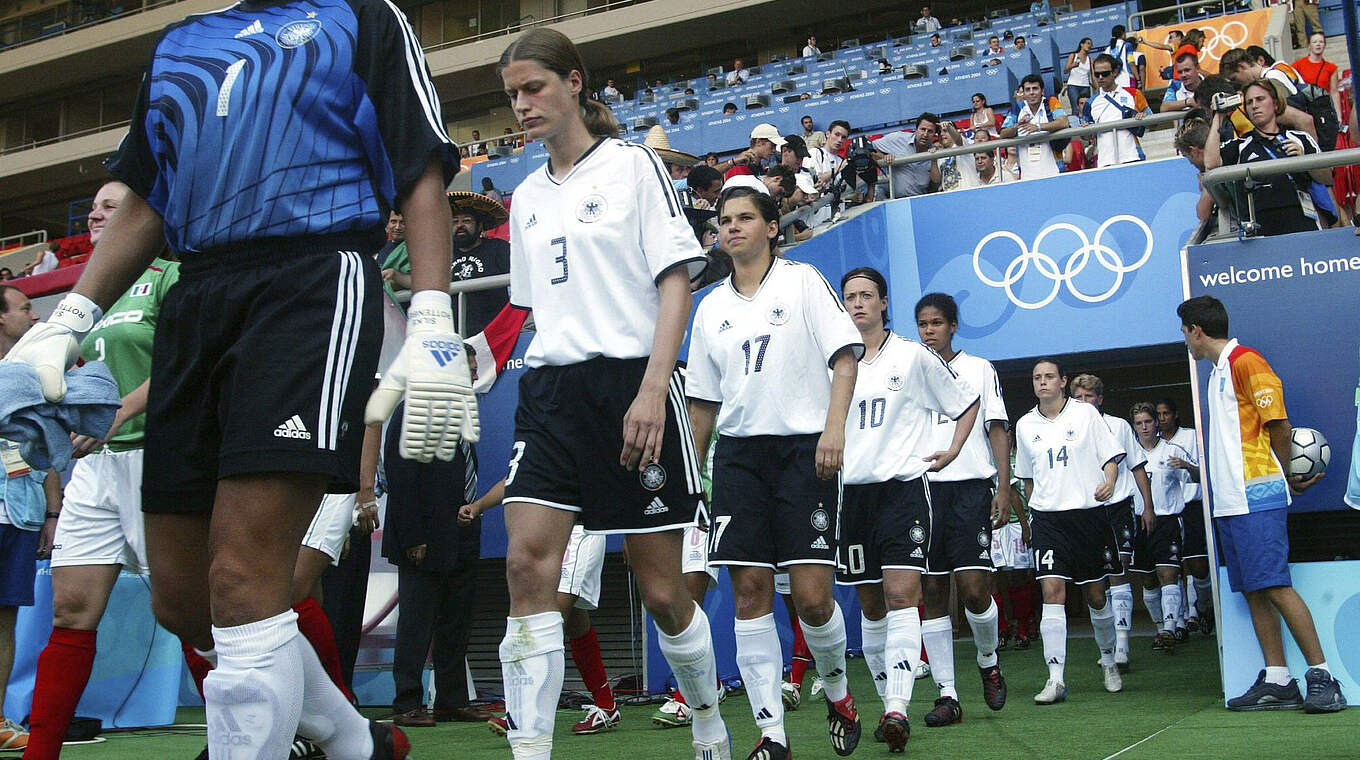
<point x="1224" y="7"/>
<point x="1151" y="120"/>
<point x="525" y="22"/>
<point x="1217" y="181"/>
<point x="75" y="27"/>
<point x="62" y="138"/>
<point x="461" y="289"/>
<point x="32" y="237"/>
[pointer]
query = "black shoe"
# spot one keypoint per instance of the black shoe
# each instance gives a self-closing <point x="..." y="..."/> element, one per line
<point x="842" y="723"/>
<point x="305" y="749"/>
<point x="1003" y="641"/>
<point x="769" y="749"/>
<point x="1206" y="622"/>
<point x="1182" y="635"/>
<point x="1021" y="642"/>
<point x="203" y="755"/>
<point x="896" y="731"/>
<point x="1264" y="695"/>
<point x="993" y="687"/>
<point x="947" y="711"/>
<point x="389" y="742"/>
<point x="878" y="731"/>
<point x="1324" y="692"/>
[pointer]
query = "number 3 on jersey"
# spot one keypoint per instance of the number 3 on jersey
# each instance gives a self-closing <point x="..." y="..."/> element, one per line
<point x="560" y="258"/>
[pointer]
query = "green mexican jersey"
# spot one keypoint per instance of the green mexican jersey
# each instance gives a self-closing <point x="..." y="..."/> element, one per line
<point x="122" y="340"/>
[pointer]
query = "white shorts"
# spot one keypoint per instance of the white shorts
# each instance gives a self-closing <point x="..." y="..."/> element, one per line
<point x="330" y="525"/>
<point x="101" y="515"/>
<point x="581" y="566"/>
<point x="1008" y="549"/>
<point x="782" y="584"/>
<point x="695" y="557"/>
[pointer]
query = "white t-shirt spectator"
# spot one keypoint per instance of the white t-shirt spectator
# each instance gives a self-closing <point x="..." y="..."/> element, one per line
<point x="1117" y="146"/>
<point x="738" y="76"/>
<point x="1036" y="159"/>
<point x="927" y="25"/>
<point x="811" y="50"/>
<point x="47" y="263"/>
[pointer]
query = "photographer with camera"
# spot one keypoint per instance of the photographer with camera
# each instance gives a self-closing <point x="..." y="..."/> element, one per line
<point x="1283" y="203"/>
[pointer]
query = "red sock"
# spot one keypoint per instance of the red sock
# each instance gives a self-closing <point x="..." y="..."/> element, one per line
<point x="63" y="670"/>
<point x="1022" y="608"/>
<point x="802" y="656"/>
<point x="678" y="697"/>
<point x="1002" y="623"/>
<point x="585" y="652"/>
<point x="198" y="666"/>
<point x="316" y="628"/>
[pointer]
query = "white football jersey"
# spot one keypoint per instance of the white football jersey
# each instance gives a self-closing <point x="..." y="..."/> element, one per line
<point x="975" y="459"/>
<point x="1186" y="441"/>
<point x="1064" y="456"/>
<point x="1124" y="487"/>
<point x="586" y="252"/>
<point x="898" y="395"/>
<point x="765" y="358"/>
<point x="1167" y="481"/>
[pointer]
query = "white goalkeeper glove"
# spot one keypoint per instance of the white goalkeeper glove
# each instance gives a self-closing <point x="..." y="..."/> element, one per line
<point x="51" y="347"/>
<point x="431" y="372"/>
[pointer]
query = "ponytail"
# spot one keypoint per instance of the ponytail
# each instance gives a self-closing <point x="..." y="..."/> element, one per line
<point x="599" y="119"/>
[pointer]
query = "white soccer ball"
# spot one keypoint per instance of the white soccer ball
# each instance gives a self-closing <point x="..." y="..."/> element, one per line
<point x="1309" y="452"/>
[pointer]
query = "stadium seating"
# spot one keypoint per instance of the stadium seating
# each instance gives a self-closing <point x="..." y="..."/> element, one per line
<point x="940" y="79"/>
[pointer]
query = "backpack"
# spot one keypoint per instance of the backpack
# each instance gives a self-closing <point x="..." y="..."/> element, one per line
<point x="1317" y="103"/>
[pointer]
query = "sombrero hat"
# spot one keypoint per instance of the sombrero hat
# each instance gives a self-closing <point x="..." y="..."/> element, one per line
<point x="487" y="209"/>
<point x="659" y="142"/>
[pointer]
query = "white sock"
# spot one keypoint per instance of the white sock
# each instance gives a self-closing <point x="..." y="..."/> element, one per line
<point x="532" y="667"/>
<point x="1191" y="600"/>
<point x="254" y="695"/>
<point x="1184" y="611"/>
<point x="1102" y="624"/>
<point x="1204" y="595"/>
<point x="761" y="664"/>
<point x="938" y="635"/>
<point x="1121" y="599"/>
<point x="690" y="654"/>
<point x="827" y="644"/>
<point x="874" y="639"/>
<point x="327" y="717"/>
<point x="1152" y="600"/>
<point x="1171" y="607"/>
<point x="1277" y="675"/>
<point x="904" y="654"/>
<point x="210" y="656"/>
<point x="1053" y="629"/>
<point x="986" y="631"/>
<point x="1322" y="666"/>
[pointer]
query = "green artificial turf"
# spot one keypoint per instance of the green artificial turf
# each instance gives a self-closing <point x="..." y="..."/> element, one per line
<point x="1171" y="704"/>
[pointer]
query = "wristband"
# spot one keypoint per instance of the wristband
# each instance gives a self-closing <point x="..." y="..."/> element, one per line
<point x="77" y="314"/>
<point x="51" y="515"/>
<point x="430" y="311"/>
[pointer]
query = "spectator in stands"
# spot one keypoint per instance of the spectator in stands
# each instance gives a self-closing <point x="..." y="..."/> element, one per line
<point x="1283" y="203"/>
<point x="1315" y="70"/>
<point x="794" y="154"/>
<point x="689" y="90"/>
<point x="994" y="45"/>
<point x="1306" y="21"/>
<point x="490" y="191"/>
<point x="1036" y="113"/>
<point x="1019" y="42"/>
<point x="986" y="172"/>
<point x="436" y="563"/>
<point x="826" y="161"/>
<point x="1111" y="103"/>
<point x="814" y="138"/>
<point x="916" y="178"/>
<point x="982" y="117"/>
<point x="884" y="67"/>
<point x="396" y="233"/>
<point x="811" y="47"/>
<point x="1006" y="37"/>
<point x="729" y="108"/>
<point x="935" y="40"/>
<point x="1132" y="64"/>
<point x="1242" y="65"/>
<point x="711" y="159"/>
<point x="476" y="147"/>
<point x="1180" y="94"/>
<point x="927" y="22"/>
<point x="476" y="255"/>
<point x="45" y="262"/>
<point x="610" y="93"/>
<point x="705" y="183"/>
<point x="672" y="115"/>
<point x="1078" y="70"/>
<point x="1190" y="139"/>
<point x="780" y="181"/>
<point x="738" y="74"/>
<point x="6" y="274"/>
<point x="765" y="140"/>
<point x="677" y="163"/>
<point x="951" y="170"/>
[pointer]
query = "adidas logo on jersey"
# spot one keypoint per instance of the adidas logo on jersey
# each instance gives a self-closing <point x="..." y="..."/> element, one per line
<point x="724" y="326"/>
<point x="293" y="428"/>
<point x="656" y="508"/>
<point x="764" y="714"/>
<point x="533" y="219"/>
<point x="255" y="28"/>
<point x="917" y="553"/>
<point x="820" y="543"/>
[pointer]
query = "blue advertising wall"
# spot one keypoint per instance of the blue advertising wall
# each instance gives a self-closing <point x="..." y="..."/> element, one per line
<point x="1286" y="296"/>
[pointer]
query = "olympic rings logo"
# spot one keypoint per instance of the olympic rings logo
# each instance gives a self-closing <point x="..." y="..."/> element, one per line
<point x="1062" y="275"/>
<point x="1217" y="41"/>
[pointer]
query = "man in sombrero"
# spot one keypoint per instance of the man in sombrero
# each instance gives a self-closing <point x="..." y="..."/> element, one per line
<point x="476" y="255"/>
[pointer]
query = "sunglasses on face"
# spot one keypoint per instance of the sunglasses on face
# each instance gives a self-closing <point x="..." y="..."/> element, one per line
<point x="1101" y="73"/>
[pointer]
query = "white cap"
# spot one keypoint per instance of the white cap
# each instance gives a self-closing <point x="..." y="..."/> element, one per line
<point x="768" y="132"/>
<point x="745" y="180"/>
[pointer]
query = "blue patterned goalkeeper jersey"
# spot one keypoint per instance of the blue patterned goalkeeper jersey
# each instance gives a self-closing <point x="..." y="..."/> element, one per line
<point x="282" y="120"/>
